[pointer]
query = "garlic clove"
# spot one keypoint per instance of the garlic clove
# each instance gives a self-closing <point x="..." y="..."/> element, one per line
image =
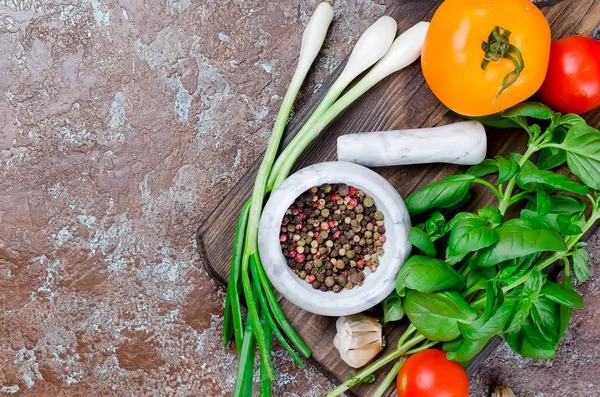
<point x="359" y="339"/>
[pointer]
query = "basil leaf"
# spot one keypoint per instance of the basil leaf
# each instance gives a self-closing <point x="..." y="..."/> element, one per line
<point x="570" y="119"/>
<point x="559" y="223"/>
<point x="518" y="157"/>
<point x="529" y="342"/>
<point x="582" y="144"/>
<point x="506" y="168"/>
<point x="543" y="201"/>
<point x="527" y="178"/>
<point x="458" y="217"/>
<point x="486" y="167"/>
<point x="436" y="315"/>
<point x="496" y="324"/>
<point x="581" y="266"/>
<point x="493" y="120"/>
<point x="424" y="274"/>
<point x="514" y="269"/>
<point x="557" y="293"/>
<point x="421" y="240"/>
<point x="435" y="225"/>
<point x="520" y="237"/>
<point x="470" y="235"/>
<point x="491" y="215"/>
<point x="551" y="157"/>
<point x="443" y="194"/>
<point x="567" y="205"/>
<point x="565" y="312"/>
<point x="534" y="110"/>
<point x="467" y="350"/>
<point x="534" y="283"/>
<point x="392" y="308"/>
<point x="545" y="316"/>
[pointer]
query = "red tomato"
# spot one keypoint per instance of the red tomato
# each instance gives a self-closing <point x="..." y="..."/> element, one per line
<point x="572" y="83"/>
<point x="430" y="374"/>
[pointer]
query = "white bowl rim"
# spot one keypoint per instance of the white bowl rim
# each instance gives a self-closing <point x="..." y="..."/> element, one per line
<point x="378" y="285"/>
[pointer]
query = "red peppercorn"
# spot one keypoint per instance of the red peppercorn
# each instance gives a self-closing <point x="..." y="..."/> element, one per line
<point x="298" y="226"/>
<point x="316" y="256"/>
<point x="382" y="238"/>
<point x="292" y="253"/>
<point x="300" y="258"/>
<point x="360" y="264"/>
<point x="331" y="224"/>
<point x="316" y="235"/>
<point x="311" y="278"/>
<point x="337" y="234"/>
<point x="332" y="197"/>
<point x="352" y="191"/>
<point x="347" y="199"/>
<point x="353" y="202"/>
<point x="302" y="216"/>
<point x="321" y="203"/>
<point x="372" y="268"/>
<point x="283" y="238"/>
<point x="324" y="226"/>
<point x="295" y="212"/>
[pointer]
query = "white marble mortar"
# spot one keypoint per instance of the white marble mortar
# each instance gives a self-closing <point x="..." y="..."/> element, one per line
<point x="377" y="285"/>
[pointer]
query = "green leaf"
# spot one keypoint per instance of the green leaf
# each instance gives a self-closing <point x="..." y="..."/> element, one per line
<point x="457" y="218"/>
<point x="443" y="194"/>
<point x="426" y="274"/>
<point x="567" y="205"/>
<point x="534" y="110"/>
<point x="566" y="312"/>
<point x="551" y="157"/>
<point x="557" y="293"/>
<point x="486" y="167"/>
<point x="520" y="237"/>
<point x="506" y="168"/>
<point x="421" y="240"/>
<point x="491" y="215"/>
<point x="556" y="222"/>
<point x="513" y="269"/>
<point x="546" y="318"/>
<point x="496" y="324"/>
<point x="435" y="225"/>
<point x="528" y="163"/>
<point x="494" y="120"/>
<point x="527" y="179"/>
<point x="467" y="350"/>
<point x="436" y="315"/>
<point x="543" y="201"/>
<point x="534" y="283"/>
<point x="570" y="119"/>
<point x="392" y="308"/>
<point x="529" y="342"/>
<point x="581" y="266"/>
<point x="582" y="144"/>
<point x="470" y="235"/>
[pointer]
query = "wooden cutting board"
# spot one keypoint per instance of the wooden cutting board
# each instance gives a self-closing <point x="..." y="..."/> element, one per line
<point x="402" y="101"/>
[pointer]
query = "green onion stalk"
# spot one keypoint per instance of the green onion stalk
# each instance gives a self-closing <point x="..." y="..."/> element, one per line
<point x="247" y="276"/>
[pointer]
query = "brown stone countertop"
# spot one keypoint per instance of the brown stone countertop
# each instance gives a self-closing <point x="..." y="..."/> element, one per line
<point x="122" y="124"/>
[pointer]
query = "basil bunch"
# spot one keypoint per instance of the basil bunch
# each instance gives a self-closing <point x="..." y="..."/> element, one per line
<point x="479" y="274"/>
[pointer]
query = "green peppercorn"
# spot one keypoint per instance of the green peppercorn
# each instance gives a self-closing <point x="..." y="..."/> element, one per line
<point x="378" y="215"/>
<point x="350" y="254"/>
<point x="318" y="263"/>
<point x="368" y="202"/>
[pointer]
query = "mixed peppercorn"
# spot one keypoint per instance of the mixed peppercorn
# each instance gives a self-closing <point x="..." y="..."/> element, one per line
<point x="330" y="234"/>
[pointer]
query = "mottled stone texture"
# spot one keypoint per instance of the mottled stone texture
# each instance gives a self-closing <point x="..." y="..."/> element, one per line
<point x="122" y="124"/>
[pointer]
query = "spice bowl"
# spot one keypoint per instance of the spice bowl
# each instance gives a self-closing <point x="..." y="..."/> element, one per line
<point x="376" y="285"/>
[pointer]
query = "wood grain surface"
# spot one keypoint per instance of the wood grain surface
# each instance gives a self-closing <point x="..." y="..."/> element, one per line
<point x="401" y="101"/>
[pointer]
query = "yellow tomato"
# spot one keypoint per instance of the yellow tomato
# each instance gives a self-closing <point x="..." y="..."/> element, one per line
<point x="484" y="56"/>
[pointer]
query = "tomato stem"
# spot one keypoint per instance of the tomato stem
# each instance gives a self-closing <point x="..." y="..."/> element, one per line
<point x="498" y="47"/>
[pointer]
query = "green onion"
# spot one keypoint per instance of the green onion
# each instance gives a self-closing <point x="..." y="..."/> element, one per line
<point x="233" y="313"/>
